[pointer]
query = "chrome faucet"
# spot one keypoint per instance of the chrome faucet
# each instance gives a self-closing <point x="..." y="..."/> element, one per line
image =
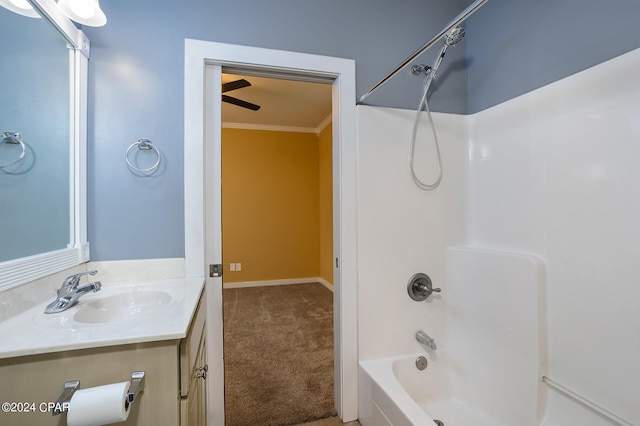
<point x="424" y="339"/>
<point x="70" y="292"/>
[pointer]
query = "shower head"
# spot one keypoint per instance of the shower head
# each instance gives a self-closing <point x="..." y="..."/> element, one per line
<point x="451" y="38"/>
<point x="454" y="35"/>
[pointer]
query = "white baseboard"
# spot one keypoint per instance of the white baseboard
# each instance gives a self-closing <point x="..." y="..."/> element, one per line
<point x="288" y="281"/>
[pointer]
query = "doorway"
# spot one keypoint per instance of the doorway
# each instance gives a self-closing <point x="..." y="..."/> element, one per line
<point x="277" y="250"/>
<point x="203" y="70"/>
<point x="277" y="182"/>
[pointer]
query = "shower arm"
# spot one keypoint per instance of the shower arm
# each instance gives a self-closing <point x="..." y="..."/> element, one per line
<point x="456" y="21"/>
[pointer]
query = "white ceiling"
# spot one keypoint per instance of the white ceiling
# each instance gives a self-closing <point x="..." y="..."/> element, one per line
<point x="284" y="104"/>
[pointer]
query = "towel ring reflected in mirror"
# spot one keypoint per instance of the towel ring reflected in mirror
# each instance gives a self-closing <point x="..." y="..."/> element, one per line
<point x="144" y="145"/>
<point x="13" y="138"/>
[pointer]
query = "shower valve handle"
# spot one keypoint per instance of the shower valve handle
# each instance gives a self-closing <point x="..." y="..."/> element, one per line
<point x="420" y="287"/>
<point x="427" y="288"/>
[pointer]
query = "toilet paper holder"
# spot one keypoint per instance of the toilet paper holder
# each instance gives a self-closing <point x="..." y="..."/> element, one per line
<point x="67" y="392"/>
<point x="135" y="387"/>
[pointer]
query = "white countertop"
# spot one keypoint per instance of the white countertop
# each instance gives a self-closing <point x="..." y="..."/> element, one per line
<point x="146" y="311"/>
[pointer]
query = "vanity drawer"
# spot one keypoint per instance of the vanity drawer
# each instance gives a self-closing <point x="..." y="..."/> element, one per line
<point x="190" y="345"/>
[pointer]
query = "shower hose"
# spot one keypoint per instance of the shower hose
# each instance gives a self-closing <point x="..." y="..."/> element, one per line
<point x="423" y="101"/>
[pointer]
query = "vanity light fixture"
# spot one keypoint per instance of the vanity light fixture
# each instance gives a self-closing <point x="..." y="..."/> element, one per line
<point x="22" y="7"/>
<point x="85" y="12"/>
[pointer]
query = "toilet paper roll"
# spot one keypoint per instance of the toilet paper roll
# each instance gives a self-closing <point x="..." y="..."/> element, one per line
<point x="101" y="405"/>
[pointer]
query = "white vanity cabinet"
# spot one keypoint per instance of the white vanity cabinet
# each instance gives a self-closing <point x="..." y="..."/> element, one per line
<point x="193" y="372"/>
<point x="175" y="373"/>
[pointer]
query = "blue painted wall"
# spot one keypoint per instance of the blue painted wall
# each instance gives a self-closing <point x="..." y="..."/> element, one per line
<point x="515" y="46"/>
<point x="136" y="78"/>
<point x="136" y="91"/>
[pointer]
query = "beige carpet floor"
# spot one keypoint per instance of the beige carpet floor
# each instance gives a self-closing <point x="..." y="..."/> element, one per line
<point x="278" y="355"/>
<point x="331" y="421"/>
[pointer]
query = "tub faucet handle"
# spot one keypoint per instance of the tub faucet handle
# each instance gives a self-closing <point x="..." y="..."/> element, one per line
<point x="420" y="287"/>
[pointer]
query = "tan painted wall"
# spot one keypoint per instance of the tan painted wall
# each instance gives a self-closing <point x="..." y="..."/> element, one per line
<point x="270" y="204"/>
<point x="326" y="204"/>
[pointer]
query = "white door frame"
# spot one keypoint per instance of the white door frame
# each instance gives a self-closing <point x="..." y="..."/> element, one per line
<point x="202" y="187"/>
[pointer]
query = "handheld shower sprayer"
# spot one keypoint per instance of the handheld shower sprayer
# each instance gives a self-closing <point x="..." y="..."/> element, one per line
<point x="454" y="35"/>
<point x="451" y="38"/>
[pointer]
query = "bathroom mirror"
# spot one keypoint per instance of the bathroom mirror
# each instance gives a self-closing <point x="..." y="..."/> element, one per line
<point x="42" y="141"/>
<point x="35" y="192"/>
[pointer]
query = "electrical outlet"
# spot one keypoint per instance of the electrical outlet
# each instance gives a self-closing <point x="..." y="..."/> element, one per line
<point x="232" y="267"/>
<point x="238" y="267"/>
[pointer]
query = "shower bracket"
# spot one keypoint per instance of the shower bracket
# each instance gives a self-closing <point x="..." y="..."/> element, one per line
<point x="419" y="69"/>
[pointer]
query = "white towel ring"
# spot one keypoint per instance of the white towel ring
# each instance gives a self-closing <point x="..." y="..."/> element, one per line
<point x="143" y="144"/>
<point x="13" y="138"/>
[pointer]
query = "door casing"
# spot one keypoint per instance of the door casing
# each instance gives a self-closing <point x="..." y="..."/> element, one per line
<point x="202" y="197"/>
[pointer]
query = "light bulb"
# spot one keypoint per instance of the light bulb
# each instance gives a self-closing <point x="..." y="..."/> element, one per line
<point x="83" y="8"/>
<point x="22" y="7"/>
<point x="85" y="12"/>
<point x="22" y="4"/>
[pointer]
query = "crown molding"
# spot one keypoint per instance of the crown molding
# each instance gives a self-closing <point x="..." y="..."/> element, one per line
<point x="268" y="127"/>
<point x="323" y="124"/>
<point x="276" y="128"/>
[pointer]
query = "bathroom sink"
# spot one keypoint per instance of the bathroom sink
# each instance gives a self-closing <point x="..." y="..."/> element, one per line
<point x="122" y="306"/>
<point x="122" y="312"/>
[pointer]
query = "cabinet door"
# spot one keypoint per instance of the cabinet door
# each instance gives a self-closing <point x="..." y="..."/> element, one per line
<point x="189" y="348"/>
<point x="195" y="404"/>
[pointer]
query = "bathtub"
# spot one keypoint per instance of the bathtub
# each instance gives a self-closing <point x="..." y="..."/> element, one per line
<point x="490" y="356"/>
<point x="394" y="392"/>
<point x="384" y="400"/>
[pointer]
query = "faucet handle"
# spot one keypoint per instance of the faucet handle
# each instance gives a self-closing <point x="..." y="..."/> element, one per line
<point x="420" y="287"/>
<point x="73" y="280"/>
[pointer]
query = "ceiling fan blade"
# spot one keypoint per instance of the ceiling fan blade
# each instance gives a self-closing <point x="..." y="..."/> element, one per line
<point x="233" y="85"/>
<point x="240" y="103"/>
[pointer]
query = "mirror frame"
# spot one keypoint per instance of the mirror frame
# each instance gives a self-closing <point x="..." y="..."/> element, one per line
<point x="22" y="270"/>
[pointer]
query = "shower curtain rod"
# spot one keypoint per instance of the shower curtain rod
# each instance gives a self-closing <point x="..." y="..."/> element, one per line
<point x="456" y="21"/>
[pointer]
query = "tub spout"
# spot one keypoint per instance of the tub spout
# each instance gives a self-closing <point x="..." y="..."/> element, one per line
<point x="424" y="339"/>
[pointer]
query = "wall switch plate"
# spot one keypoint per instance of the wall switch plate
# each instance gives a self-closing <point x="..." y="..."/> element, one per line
<point x="238" y="267"/>
<point x="232" y="267"/>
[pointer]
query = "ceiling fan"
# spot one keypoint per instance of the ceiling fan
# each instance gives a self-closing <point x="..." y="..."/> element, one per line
<point x="233" y="85"/>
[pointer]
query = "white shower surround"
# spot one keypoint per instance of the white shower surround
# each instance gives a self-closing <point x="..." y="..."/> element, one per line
<point x="552" y="173"/>
<point x="490" y="356"/>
